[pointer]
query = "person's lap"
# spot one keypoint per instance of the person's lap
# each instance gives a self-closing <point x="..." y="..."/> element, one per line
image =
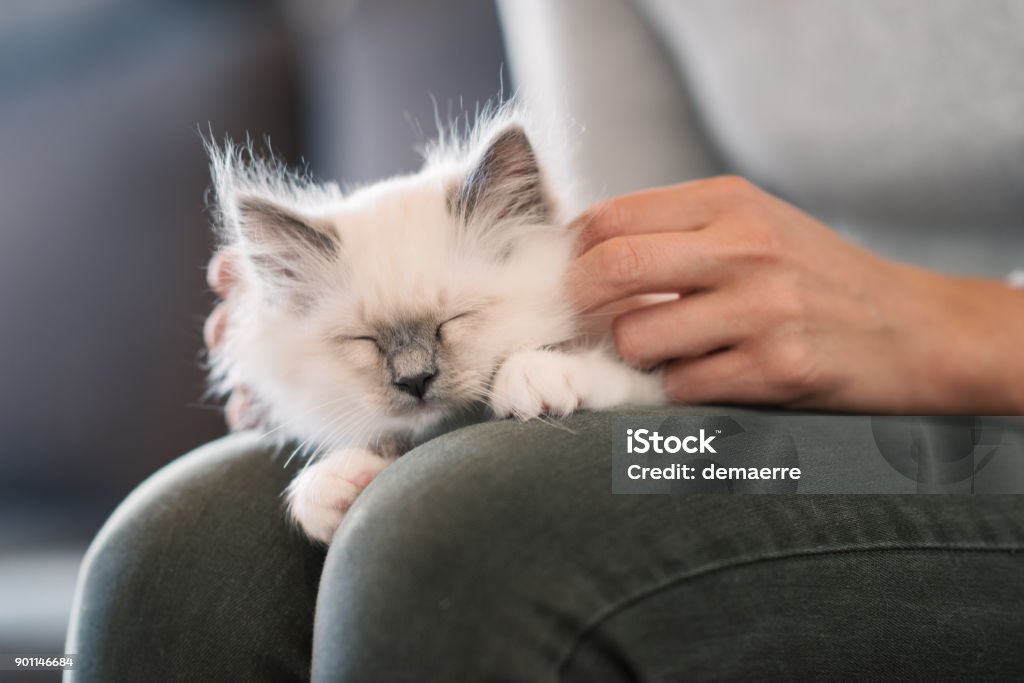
<point x="499" y="552"/>
<point x="197" y="577"/>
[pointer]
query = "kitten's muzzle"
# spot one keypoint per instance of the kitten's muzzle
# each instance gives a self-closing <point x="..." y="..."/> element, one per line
<point x="411" y="348"/>
<point x="415" y="385"/>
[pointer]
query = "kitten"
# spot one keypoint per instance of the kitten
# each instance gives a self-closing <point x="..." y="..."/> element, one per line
<point x="365" y="322"/>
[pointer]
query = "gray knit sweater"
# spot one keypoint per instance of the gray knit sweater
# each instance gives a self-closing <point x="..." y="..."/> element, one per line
<point x="900" y="122"/>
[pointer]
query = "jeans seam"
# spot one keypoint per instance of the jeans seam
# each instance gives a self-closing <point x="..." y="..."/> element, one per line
<point x="726" y="565"/>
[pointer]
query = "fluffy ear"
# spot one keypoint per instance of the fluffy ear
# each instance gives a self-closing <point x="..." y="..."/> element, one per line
<point x="505" y="183"/>
<point x="282" y="245"/>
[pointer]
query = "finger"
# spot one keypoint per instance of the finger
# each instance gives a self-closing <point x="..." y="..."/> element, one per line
<point x="235" y="410"/>
<point x="242" y="411"/>
<point x="642" y="264"/>
<point x="729" y="376"/>
<point x="685" y="207"/>
<point x="215" y="326"/>
<point x="221" y="273"/>
<point x="688" y="327"/>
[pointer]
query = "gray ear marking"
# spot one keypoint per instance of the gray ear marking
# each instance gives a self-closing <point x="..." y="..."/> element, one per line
<point x="280" y="244"/>
<point x="262" y="221"/>
<point x="504" y="183"/>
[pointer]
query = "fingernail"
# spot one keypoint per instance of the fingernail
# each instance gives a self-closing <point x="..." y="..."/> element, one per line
<point x="214" y="327"/>
<point x="220" y="273"/>
<point x="241" y="412"/>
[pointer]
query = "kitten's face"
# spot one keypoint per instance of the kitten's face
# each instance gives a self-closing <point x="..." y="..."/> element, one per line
<point x="391" y="309"/>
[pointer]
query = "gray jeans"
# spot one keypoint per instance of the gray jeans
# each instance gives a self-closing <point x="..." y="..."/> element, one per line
<point x="498" y="552"/>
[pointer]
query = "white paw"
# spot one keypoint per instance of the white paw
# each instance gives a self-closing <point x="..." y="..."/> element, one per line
<point x="531" y="383"/>
<point x="322" y="493"/>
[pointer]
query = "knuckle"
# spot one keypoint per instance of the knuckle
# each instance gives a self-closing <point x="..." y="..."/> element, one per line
<point x="604" y="220"/>
<point x="623" y="263"/>
<point x="623" y="333"/>
<point x="792" y="369"/>
<point x="735" y="186"/>
<point x="758" y="241"/>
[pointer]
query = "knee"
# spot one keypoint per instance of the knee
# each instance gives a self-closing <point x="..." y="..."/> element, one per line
<point x="208" y="513"/>
<point x="198" y="495"/>
<point x="450" y="551"/>
<point x="487" y="488"/>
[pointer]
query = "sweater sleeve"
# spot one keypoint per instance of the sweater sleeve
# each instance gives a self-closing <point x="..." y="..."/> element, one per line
<point x="596" y="64"/>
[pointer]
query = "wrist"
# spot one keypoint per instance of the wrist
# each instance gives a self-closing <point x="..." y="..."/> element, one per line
<point x="979" y="333"/>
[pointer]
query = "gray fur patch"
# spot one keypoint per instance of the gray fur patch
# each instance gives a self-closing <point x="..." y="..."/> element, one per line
<point x="393" y="445"/>
<point x="262" y="221"/>
<point x="409" y="347"/>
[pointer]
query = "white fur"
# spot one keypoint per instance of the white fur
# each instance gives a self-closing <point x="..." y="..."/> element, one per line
<point x="322" y="493"/>
<point x="403" y="254"/>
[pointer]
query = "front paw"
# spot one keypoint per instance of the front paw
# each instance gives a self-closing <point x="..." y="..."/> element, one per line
<point x="322" y="493"/>
<point x="531" y="383"/>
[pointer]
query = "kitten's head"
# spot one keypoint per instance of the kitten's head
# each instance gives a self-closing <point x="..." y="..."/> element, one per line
<point x="390" y="308"/>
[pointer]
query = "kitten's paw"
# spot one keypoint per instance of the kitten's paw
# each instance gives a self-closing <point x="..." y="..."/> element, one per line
<point x="531" y="383"/>
<point x="322" y="493"/>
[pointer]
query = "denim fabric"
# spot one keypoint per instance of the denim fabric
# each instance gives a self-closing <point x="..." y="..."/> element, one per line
<point x="196" y="577"/>
<point x="498" y="552"/>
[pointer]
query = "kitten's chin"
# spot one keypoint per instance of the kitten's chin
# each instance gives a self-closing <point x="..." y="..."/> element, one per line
<point x="424" y="414"/>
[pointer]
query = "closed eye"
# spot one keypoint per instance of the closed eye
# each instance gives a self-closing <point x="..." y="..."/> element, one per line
<point x="344" y="338"/>
<point x="451" y="319"/>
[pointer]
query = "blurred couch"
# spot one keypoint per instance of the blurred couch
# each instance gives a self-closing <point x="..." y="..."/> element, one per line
<point x="105" y="233"/>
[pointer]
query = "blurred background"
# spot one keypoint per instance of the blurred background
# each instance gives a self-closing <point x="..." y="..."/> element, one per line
<point x="105" y="230"/>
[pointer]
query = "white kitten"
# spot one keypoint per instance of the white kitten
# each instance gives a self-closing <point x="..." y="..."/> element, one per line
<point x="365" y="322"/>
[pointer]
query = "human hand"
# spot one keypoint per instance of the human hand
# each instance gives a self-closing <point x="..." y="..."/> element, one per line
<point x="776" y="308"/>
<point x="242" y="410"/>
